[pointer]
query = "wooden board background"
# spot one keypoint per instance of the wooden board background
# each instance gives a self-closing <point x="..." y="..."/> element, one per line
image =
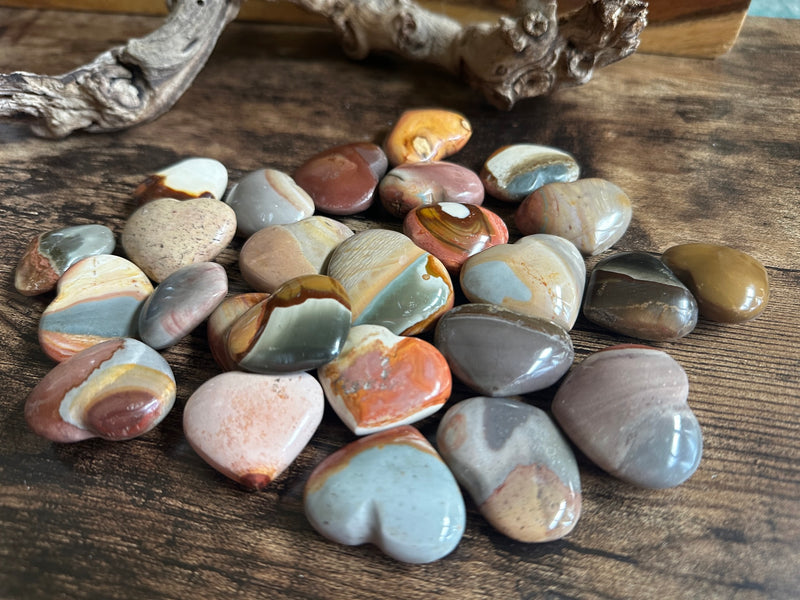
<point x="707" y="150"/>
<point x="676" y="27"/>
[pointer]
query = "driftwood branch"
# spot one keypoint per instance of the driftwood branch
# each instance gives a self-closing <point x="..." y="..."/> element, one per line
<point x="126" y="85"/>
<point x="528" y="53"/>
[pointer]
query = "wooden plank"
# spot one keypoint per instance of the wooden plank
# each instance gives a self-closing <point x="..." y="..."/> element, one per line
<point x="707" y="150"/>
<point x="704" y="28"/>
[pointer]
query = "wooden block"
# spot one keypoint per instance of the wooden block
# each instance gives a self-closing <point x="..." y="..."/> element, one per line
<point x="701" y="28"/>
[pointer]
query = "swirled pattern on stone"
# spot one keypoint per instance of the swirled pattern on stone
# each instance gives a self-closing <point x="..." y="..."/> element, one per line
<point x="117" y="390"/>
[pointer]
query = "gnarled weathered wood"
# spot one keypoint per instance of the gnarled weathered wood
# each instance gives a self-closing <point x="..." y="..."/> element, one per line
<point x="527" y="54"/>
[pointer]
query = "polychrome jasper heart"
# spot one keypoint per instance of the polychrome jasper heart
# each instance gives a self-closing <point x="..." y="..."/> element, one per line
<point x="453" y="232"/>
<point x="391" y="281"/>
<point x="166" y="234"/>
<point x="117" y="390"/>
<point x="499" y="352"/>
<point x="380" y="380"/>
<point x="186" y="179"/>
<point x="426" y="134"/>
<point x="540" y="275"/>
<point x="591" y="213"/>
<point x="303" y="325"/>
<point x="267" y="197"/>
<point x="251" y="427"/>
<point x="412" y="185"/>
<point x="390" y="489"/>
<point x="274" y="255"/>
<point x="515" y="464"/>
<point x="50" y="254"/>
<point x="626" y="408"/>
<point x="512" y="172"/>
<point x="181" y="302"/>
<point x="98" y="298"/>
<point x="220" y="321"/>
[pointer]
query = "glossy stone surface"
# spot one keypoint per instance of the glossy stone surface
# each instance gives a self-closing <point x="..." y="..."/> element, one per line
<point x="729" y="285"/>
<point x="390" y="489"/>
<point x="411" y="185"/>
<point x="499" y="352"/>
<point x="540" y="275"/>
<point x="593" y="214"/>
<point x="342" y="180"/>
<point x="98" y="298"/>
<point x="453" y="232"/>
<point x="391" y="281"/>
<point x="626" y="409"/>
<point x="186" y="179"/>
<point x="381" y="380"/>
<point x="220" y="321"/>
<point x="49" y="254"/>
<point x="180" y="303"/>
<point x="276" y="254"/>
<point x="512" y="172"/>
<point x="635" y="294"/>
<point x="426" y="134"/>
<point x="251" y="427"/>
<point x="267" y="197"/>
<point x="303" y="325"/>
<point x="515" y="464"/>
<point x="164" y="235"/>
<point x="117" y="390"/>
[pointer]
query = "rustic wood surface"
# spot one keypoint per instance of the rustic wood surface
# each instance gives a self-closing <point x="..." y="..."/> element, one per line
<point x="707" y="150"/>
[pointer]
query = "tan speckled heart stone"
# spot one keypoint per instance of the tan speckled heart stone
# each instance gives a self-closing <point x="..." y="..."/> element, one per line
<point x="164" y="235"/>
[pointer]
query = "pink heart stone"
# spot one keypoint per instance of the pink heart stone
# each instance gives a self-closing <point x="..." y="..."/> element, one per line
<point x="251" y="427"/>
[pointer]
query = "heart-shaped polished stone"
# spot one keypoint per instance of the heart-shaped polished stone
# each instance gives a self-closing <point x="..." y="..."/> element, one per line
<point x="592" y="213"/>
<point x="426" y="134"/>
<point x="453" y="232"/>
<point x="181" y="302"/>
<point x="412" y="185"/>
<point x="390" y="489"/>
<point x="267" y="197"/>
<point x="50" y="254"/>
<point x="303" y="325"/>
<point x="221" y="320"/>
<point x="186" y="179"/>
<point x="98" y="298"/>
<point x="512" y="172"/>
<point x="635" y="294"/>
<point x="166" y="234"/>
<point x="626" y="408"/>
<point x="730" y="286"/>
<point x="540" y="275"/>
<point x="251" y="427"/>
<point x="381" y="380"/>
<point x="391" y="281"/>
<point x="342" y="180"/>
<point x="499" y="352"/>
<point x="276" y="254"/>
<point x="117" y="390"/>
<point x="516" y="465"/>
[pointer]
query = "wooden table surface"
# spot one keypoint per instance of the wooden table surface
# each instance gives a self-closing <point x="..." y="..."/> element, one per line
<point x="707" y="150"/>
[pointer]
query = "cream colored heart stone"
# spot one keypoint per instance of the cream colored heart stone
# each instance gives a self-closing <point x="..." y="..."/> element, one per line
<point x="166" y="234"/>
<point x="540" y="275"/>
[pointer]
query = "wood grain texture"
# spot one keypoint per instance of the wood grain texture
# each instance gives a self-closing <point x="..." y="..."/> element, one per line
<point x="707" y="151"/>
<point x="705" y="28"/>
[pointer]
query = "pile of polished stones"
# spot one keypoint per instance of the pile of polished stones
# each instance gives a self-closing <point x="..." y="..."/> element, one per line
<point x="348" y="306"/>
